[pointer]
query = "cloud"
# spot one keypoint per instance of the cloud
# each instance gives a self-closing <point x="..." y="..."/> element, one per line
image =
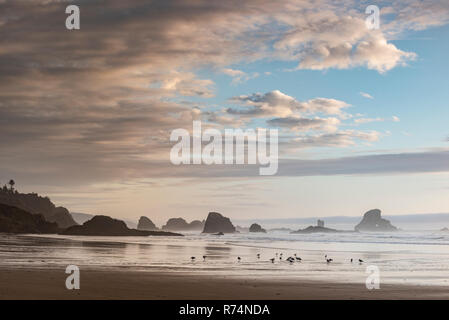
<point x="238" y="75"/>
<point x="323" y="105"/>
<point x="326" y="40"/>
<point x="367" y="120"/>
<point x="274" y="103"/>
<point x="70" y="174"/>
<point x="224" y="120"/>
<point x="395" y="163"/>
<point x="366" y="95"/>
<point x="378" y="119"/>
<point x="305" y="124"/>
<point x="338" y="139"/>
<point x="185" y="84"/>
<point x="377" y="54"/>
<point x="416" y="15"/>
<point x="283" y="111"/>
<point x="279" y="104"/>
<point x="98" y="104"/>
<point x="233" y="72"/>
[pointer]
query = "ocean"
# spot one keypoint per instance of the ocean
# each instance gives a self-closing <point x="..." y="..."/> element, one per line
<point x="418" y="257"/>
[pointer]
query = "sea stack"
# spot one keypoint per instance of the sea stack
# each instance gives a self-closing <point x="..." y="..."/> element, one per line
<point x="146" y="224"/>
<point x="215" y="223"/>
<point x="372" y="221"/>
<point x="107" y="226"/>
<point x="196" y="225"/>
<point x="176" y="224"/>
<point x="257" y="228"/>
<point x="179" y="224"/>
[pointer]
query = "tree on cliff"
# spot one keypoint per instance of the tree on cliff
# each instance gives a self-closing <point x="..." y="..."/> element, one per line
<point x="11" y="183"/>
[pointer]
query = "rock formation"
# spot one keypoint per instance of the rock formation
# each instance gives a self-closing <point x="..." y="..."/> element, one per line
<point x="179" y="224"/>
<point x="315" y="229"/>
<point x="372" y="221"/>
<point x="80" y="218"/>
<point x="257" y="228"/>
<point x="196" y="225"/>
<point x="215" y="223"/>
<point x="146" y="224"/>
<point x="16" y="220"/>
<point x="35" y="204"/>
<point x="107" y="226"/>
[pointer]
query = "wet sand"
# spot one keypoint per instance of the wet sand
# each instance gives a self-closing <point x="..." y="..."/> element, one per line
<point x="128" y="284"/>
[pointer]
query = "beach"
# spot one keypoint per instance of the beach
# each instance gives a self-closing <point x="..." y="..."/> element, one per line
<point x="33" y="266"/>
<point x="126" y="284"/>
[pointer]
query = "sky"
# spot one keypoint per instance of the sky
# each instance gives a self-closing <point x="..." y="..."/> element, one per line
<point x="362" y="113"/>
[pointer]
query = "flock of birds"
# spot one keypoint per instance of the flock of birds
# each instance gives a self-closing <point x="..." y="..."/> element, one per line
<point x="279" y="256"/>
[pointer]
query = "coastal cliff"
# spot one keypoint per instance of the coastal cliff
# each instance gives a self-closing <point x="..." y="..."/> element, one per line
<point x="16" y="220"/>
<point x="35" y="204"/>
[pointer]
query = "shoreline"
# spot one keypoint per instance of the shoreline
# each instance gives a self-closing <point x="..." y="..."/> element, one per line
<point x="49" y="284"/>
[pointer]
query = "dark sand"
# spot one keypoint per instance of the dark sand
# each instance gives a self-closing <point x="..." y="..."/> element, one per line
<point x="126" y="284"/>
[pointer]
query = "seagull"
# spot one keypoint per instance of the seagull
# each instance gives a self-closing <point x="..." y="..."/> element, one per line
<point x="351" y="260"/>
<point x="192" y="258"/>
<point x="360" y="260"/>
<point x="272" y="260"/>
<point x="290" y="259"/>
<point x="298" y="259"/>
<point x="258" y="256"/>
<point x="238" y="258"/>
<point x="204" y="258"/>
<point x="329" y="260"/>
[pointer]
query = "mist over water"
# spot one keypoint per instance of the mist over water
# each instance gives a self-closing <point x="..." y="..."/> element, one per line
<point x="409" y="222"/>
